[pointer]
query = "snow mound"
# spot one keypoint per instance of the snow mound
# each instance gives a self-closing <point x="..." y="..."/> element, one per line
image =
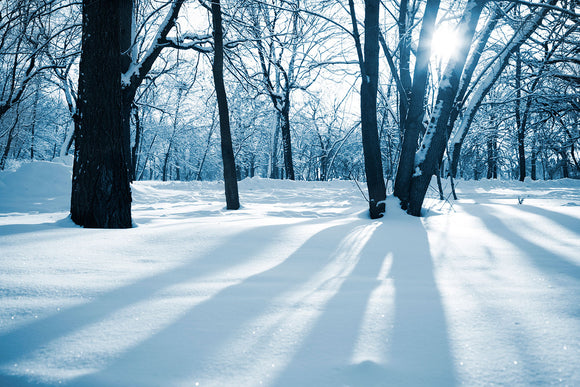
<point x="40" y="187"/>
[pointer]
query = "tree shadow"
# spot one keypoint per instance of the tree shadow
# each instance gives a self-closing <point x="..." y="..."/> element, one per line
<point x="414" y="332"/>
<point x="183" y="349"/>
<point x="542" y="258"/>
<point x="566" y="221"/>
<point x="15" y="229"/>
<point x="333" y="289"/>
<point x="33" y="335"/>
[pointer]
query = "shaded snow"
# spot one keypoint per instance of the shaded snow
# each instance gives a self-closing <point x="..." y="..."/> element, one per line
<point x="298" y="287"/>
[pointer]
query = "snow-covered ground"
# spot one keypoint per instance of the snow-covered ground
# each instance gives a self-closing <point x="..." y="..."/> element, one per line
<point x="298" y="288"/>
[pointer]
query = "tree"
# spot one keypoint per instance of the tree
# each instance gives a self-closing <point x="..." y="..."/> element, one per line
<point x="428" y="157"/>
<point x="369" y="71"/>
<point x="231" y="184"/>
<point x="101" y="194"/>
<point x="486" y="81"/>
<point x="413" y="119"/>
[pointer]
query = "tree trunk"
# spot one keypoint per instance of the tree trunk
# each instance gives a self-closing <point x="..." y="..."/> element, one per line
<point x="527" y="28"/>
<point x="565" y="171"/>
<point x="101" y="193"/>
<point x="137" y="145"/>
<point x="414" y="117"/>
<point x="489" y="158"/>
<point x="533" y="161"/>
<point x="470" y="67"/>
<point x="404" y="62"/>
<point x="286" y="139"/>
<point x="126" y="25"/>
<point x="436" y="136"/>
<point x="231" y="184"/>
<point x="369" y="66"/>
<point x="439" y="185"/>
<point x="520" y="124"/>
<point x="206" y="151"/>
<point x="274" y="155"/>
<point x="8" y="144"/>
<point x="166" y="160"/>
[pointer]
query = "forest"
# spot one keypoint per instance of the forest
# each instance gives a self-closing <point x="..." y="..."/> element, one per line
<point x="392" y="92"/>
<point x="289" y="193"/>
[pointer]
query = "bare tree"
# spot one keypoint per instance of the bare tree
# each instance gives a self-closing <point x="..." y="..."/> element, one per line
<point x="369" y="71"/>
<point x="231" y="184"/>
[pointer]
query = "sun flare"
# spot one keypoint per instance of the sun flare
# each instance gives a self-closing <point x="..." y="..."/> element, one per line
<point x="446" y="42"/>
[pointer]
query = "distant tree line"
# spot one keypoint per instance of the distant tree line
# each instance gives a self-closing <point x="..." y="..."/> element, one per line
<point x="296" y="89"/>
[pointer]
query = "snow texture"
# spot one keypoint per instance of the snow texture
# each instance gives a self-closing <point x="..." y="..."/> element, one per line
<point x="298" y="288"/>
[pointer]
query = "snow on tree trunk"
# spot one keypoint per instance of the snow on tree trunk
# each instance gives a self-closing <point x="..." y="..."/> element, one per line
<point x="414" y="116"/>
<point x="434" y="142"/>
<point x="101" y="194"/>
<point x="470" y="67"/>
<point x="521" y="35"/>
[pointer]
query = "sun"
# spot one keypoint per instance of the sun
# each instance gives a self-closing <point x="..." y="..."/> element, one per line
<point x="445" y="44"/>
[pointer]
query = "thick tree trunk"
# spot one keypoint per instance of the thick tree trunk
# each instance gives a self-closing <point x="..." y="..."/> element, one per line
<point x="414" y="117"/>
<point x="436" y="136"/>
<point x="101" y="194"/>
<point x="231" y="184"/>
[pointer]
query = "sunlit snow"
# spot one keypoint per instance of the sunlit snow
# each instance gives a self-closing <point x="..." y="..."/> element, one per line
<point x="297" y="288"/>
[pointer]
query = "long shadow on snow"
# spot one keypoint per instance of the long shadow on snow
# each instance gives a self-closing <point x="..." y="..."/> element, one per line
<point x="33" y="335"/>
<point x="538" y="255"/>
<point x="567" y="221"/>
<point x="418" y="350"/>
<point x="15" y="229"/>
<point x="186" y="344"/>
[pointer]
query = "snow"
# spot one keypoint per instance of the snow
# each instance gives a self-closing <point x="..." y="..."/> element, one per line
<point x="298" y="287"/>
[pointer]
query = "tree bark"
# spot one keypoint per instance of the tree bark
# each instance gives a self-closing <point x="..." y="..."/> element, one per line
<point x="520" y="124"/>
<point x="8" y="144"/>
<point x="404" y="62"/>
<point x="134" y="74"/>
<point x="369" y="66"/>
<point x="101" y="193"/>
<point x="126" y="25"/>
<point x="414" y="117"/>
<point x="527" y="28"/>
<point x="286" y="137"/>
<point x="231" y="184"/>
<point x="436" y="136"/>
<point x="470" y="67"/>
<point x="137" y="145"/>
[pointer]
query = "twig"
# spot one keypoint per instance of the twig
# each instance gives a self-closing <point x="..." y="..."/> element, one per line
<point x="358" y="186"/>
